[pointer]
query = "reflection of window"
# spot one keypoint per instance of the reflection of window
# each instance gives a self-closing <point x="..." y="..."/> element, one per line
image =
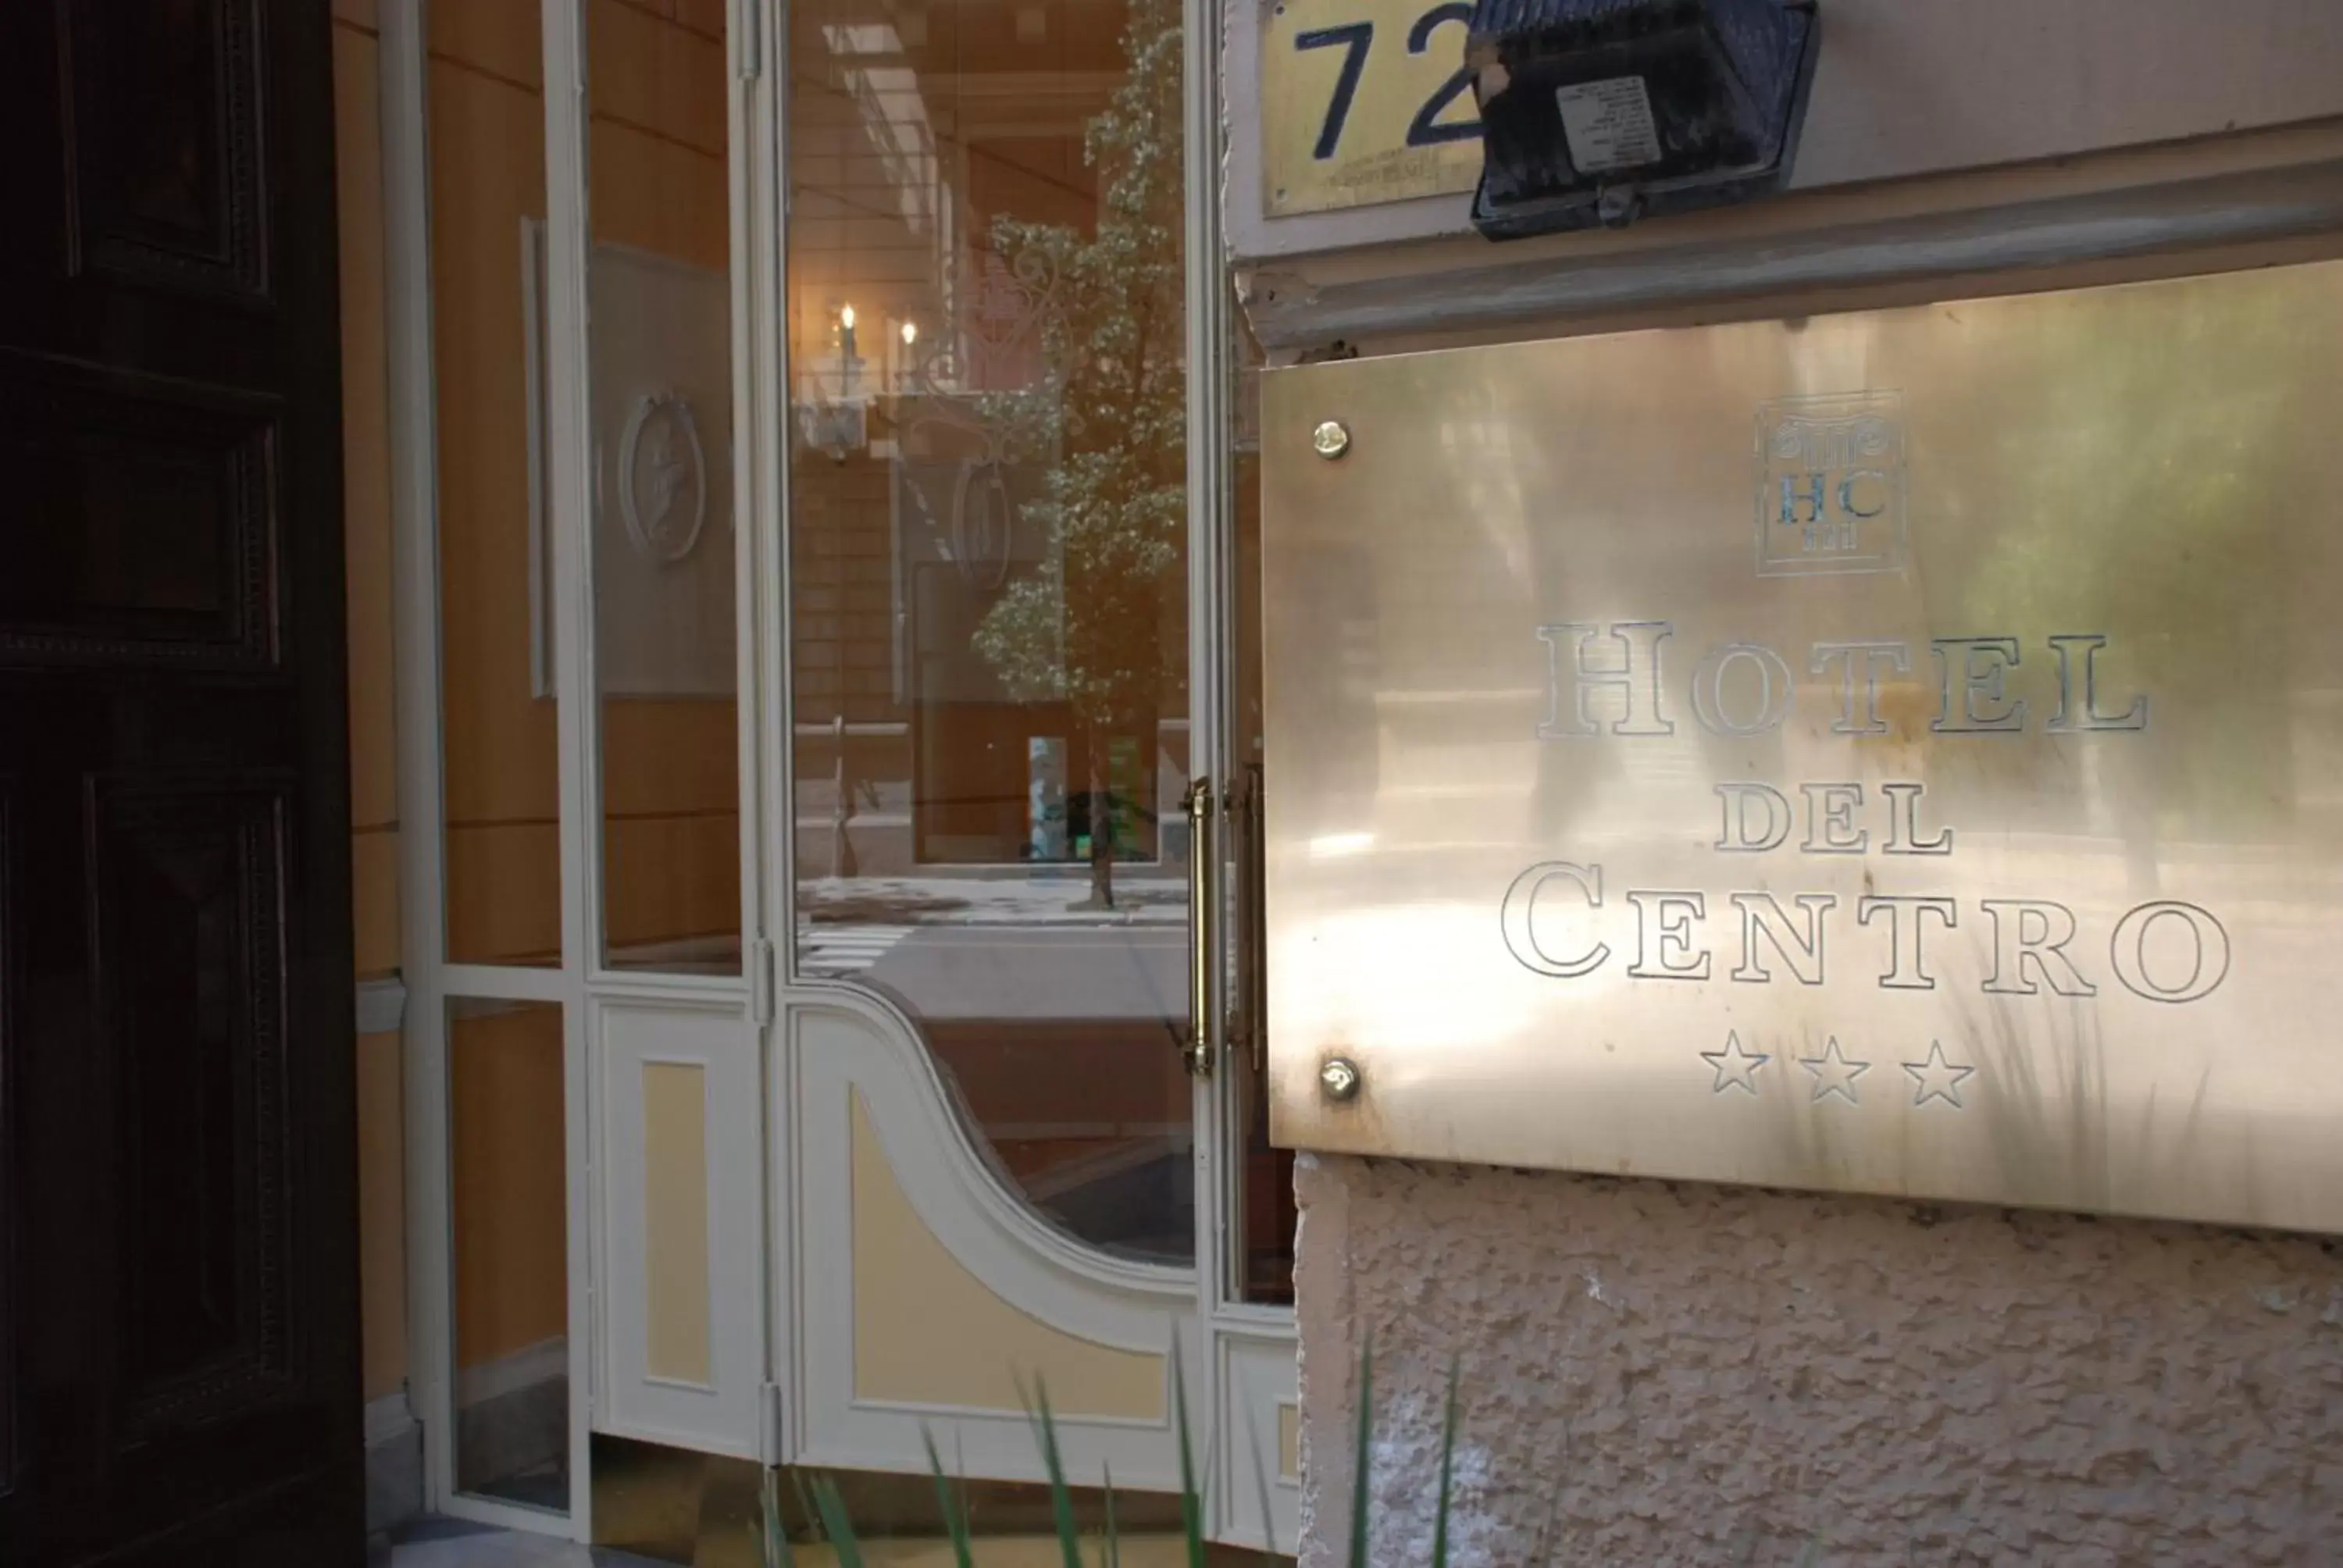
<point x="988" y="672"/>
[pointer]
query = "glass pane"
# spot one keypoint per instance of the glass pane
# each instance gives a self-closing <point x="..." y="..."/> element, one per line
<point x="986" y="316"/>
<point x="1263" y="1228"/>
<point x="511" y="1270"/>
<point x="502" y="754"/>
<point x="661" y="368"/>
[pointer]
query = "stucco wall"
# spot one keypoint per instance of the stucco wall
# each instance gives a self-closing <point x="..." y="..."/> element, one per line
<point x="1670" y="1373"/>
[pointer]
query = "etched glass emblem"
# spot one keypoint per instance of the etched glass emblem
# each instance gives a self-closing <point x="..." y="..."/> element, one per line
<point x="1830" y="484"/>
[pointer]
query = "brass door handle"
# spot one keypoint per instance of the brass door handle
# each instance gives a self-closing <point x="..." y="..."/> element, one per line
<point x="1204" y="925"/>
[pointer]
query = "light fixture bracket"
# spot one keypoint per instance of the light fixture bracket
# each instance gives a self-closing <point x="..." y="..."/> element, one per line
<point x="1595" y="113"/>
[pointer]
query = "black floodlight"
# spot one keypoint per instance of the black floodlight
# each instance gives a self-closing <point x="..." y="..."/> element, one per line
<point x="1595" y="111"/>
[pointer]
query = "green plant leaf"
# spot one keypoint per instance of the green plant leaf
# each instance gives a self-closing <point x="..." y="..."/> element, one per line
<point x="1447" y="1473"/>
<point x="1191" y="1498"/>
<point x="775" y="1530"/>
<point x="1110" y="1554"/>
<point x="955" y="1516"/>
<point x="1360" y="1458"/>
<point x="1062" y="1497"/>
<point x="805" y="1499"/>
<point x="835" y="1522"/>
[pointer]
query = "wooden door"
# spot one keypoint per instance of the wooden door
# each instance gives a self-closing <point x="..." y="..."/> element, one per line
<point x="179" y="1319"/>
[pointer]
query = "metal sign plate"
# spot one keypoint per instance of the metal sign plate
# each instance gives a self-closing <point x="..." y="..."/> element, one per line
<point x="1896" y="752"/>
<point x="1364" y="102"/>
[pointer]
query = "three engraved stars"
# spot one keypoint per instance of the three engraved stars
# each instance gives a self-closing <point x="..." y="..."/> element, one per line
<point x="1831" y="1073"/>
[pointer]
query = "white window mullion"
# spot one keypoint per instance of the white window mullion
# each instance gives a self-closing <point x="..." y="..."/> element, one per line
<point x="570" y="509"/>
<point x="761" y="466"/>
<point x="422" y="806"/>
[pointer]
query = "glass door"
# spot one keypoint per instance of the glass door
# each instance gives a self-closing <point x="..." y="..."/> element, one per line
<point x="578" y="877"/>
<point x="823" y="725"/>
<point x="1009" y="586"/>
<point x="987" y="559"/>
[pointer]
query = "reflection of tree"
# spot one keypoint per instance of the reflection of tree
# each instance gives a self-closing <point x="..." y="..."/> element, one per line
<point x="1098" y="628"/>
<point x="2148" y="482"/>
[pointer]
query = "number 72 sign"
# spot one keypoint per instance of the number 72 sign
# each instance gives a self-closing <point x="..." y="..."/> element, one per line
<point x="1365" y="101"/>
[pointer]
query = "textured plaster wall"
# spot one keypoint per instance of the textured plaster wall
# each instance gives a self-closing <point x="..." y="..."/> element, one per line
<point x="1658" y="1373"/>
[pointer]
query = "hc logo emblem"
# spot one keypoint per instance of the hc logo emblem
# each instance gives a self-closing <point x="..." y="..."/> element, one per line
<point x="1830" y="484"/>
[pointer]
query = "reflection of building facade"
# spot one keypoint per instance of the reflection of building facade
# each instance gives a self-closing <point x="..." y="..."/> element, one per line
<point x="947" y="758"/>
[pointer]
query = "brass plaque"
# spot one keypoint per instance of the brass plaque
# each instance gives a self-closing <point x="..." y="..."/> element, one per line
<point x="1894" y="752"/>
<point x="1364" y="102"/>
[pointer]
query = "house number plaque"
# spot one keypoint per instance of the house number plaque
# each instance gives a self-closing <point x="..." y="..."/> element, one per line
<point x="1894" y="752"/>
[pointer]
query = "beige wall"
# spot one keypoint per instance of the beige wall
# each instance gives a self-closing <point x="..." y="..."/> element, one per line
<point x="1689" y="1374"/>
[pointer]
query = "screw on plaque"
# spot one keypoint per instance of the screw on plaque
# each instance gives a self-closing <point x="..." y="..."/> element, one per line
<point x="1340" y="1078"/>
<point x="1331" y="438"/>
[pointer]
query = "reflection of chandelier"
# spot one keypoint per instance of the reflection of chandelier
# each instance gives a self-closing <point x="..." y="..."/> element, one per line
<point x="988" y="342"/>
<point x="837" y="426"/>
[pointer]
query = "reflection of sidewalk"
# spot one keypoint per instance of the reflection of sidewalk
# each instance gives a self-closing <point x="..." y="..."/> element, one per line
<point x="871" y="902"/>
<point x="838" y="950"/>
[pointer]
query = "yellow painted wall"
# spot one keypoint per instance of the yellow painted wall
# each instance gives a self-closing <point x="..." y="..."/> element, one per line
<point x="507" y="1177"/>
<point x="672" y="839"/>
<point x="657" y="167"/>
<point x="486" y="128"/>
<point x="676" y="1318"/>
<point x="927" y="1331"/>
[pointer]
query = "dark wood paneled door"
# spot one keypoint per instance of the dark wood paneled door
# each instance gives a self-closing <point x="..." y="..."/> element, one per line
<point x="179" y="1319"/>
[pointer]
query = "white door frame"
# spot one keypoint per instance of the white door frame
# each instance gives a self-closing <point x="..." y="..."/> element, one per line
<point x="430" y="980"/>
<point x="611" y="1019"/>
<point x="768" y="1037"/>
<point x="830" y="1038"/>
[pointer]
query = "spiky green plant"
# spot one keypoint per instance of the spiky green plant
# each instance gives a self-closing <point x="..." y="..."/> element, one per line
<point x="822" y="1502"/>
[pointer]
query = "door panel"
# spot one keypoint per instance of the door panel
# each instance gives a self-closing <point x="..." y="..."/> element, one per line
<point x="12" y="1411"/>
<point x="178" y="1322"/>
<point x="1259" y="1399"/>
<point x="933" y="1298"/>
<point x="678" y="1193"/>
<point x="149" y="527"/>
<point x="988" y="576"/>
<point x="174" y="194"/>
<point x="1006" y="609"/>
<point x="186" y="902"/>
